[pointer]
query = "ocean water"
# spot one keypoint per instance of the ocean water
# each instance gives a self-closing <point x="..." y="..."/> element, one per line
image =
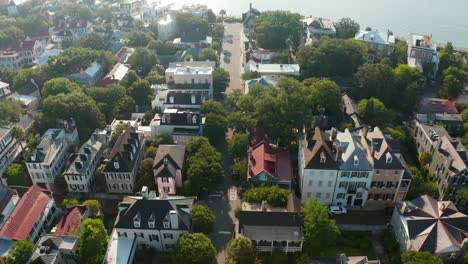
<point x="445" y="20"/>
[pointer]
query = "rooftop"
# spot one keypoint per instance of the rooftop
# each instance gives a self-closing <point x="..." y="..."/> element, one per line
<point x="437" y="105"/>
<point x="270" y="159"/>
<point x="287" y="69"/>
<point x="70" y="223"/>
<point x="211" y="64"/>
<point x="375" y="37"/>
<point x="422" y="41"/>
<point x="48" y="248"/>
<point x="49" y="146"/>
<point x="319" y="23"/>
<point x="120" y="250"/>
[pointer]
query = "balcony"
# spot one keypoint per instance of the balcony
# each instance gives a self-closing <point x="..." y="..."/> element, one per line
<point x="285" y="246"/>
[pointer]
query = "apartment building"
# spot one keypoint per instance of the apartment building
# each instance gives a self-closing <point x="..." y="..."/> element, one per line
<point x="379" y="45"/>
<point x="21" y="54"/>
<point x="191" y="77"/>
<point x="422" y="52"/>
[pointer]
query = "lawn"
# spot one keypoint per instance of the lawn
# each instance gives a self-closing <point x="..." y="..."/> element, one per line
<point x="352" y="243"/>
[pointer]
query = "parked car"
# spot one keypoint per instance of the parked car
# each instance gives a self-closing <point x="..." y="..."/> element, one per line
<point x="336" y="210"/>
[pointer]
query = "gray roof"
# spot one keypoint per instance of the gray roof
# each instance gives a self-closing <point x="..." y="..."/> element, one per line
<point x="384" y="157"/>
<point x="434" y="226"/>
<point x="48" y="248"/>
<point x="93" y="69"/>
<point x="271" y="225"/>
<point x="352" y="151"/>
<point x="81" y="160"/>
<point x="4" y="130"/>
<point x="50" y="143"/>
<point x="153" y="208"/>
<point x="211" y="64"/>
<point x="171" y="154"/>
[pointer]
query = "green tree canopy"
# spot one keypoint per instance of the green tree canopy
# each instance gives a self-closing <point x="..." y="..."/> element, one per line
<point x="188" y="24"/>
<point x="141" y="92"/>
<point x="319" y="231"/>
<point x="277" y="29"/>
<point x="151" y="152"/>
<point x="73" y="11"/>
<point x="59" y="85"/>
<point x="93" y="41"/>
<point x="195" y="248"/>
<point x="10" y="35"/>
<point x="145" y="175"/>
<point x="16" y="174"/>
<point x="9" y="109"/>
<point x="373" y="112"/>
<point x="215" y="128"/>
<point x="238" y="145"/>
<point x="94" y="206"/>
<point x="69" y="201"/>
<point x="142" y="60"/>
<point x="274" y="196"/>
<point x="163" y="47"/>
<point x="74" y="59"/>
<point x="209" y="54"/>
<point x="221" y="81"/>
<point x="240" y="251"/>
<point x="111" y="100"/>
<point x="451" y="87"/>
<point x="93" y="241"/>
<point x="214" y="107"/>
<point x="413" y="257"/>
<point x="138" y="39"/>
<point x="346" y="28"/>
<point x="197" y="143"/>
<point x="20" y="252"/>
<point x="203" y="219"/>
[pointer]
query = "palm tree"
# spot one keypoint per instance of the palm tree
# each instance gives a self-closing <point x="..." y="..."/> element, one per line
<point x="18" y="133"/>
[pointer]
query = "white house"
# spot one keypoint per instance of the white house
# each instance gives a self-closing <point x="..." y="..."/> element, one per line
<point x="21" y="54"/>
<point x="273" y="71"/>
<point x="9" y="148"/>
<point x="181" y="124"/>
<point x="379" y="45"/>
<point x="191" y="77"/>
<point x="166" y="28"/>
<point x="317" y="27"/>
<point x="318" y="167"/>
<point x="4" y="89"/>
<point x="81" y="172"/>
<point x="70" y="30"/>
<point x="150" y="221"/>
<point x="423" y="51"/>
<point x="48" y="159"/>
<point x="425" y="224"/>
<point x="8" y="200"/>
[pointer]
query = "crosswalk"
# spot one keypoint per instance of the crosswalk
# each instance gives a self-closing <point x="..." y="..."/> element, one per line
<point x="232" y="194"/>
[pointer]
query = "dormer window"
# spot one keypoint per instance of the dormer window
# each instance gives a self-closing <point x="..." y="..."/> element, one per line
<point x="166" y="223"/>
<point x="136" y="220"/>
<point x="116" y="165"/>
<point x="151" y="221"/>
<point x="356" y="160"/>
<point x="389" y="157"/>
<point x="323" y="159"/>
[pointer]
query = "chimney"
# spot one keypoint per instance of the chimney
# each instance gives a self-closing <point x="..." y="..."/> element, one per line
<point x="334" y="133"/>
<point x="449" y="162"/>
<point x="174" y="219"/>
<point x="339" y="153"/>
<point x="364" y="131"/>
<point x="372" y="150"/>
<point x="250" y="6"/>
<point x="144" y="192"/>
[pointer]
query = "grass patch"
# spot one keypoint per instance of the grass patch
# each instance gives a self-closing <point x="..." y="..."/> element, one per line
<point x="352" y="243"/>
<point x="149" y="256"/>
<point x="391" y="248"/>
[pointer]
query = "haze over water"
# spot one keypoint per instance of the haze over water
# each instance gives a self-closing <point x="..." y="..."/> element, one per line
<point x="445" y="20"/>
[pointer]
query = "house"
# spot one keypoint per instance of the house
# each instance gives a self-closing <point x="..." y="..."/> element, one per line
<point x="436" y="106"/>
<point x="260" y="55"/>
<point x="21" y="54"/>
<point x="88" y="77"/>
<point x="379" y="45"/>
<point x="30" y="102"/>
<point x="181" y="124"/>
<point x="168" y="167"/>
<point x="342" y="259"/>
<point x="8" y="200"/>
<point x="269" y="165"/>
<point x="273" y="71"/>
<point x="32" y="217"/>
<point x="153" y="222"/>
<point x="166" y="28"/>
<point x="9" y="149"/>
<point x="318" y="166"/>
<point x="124" y="23"/>
<point x="5" y="246"/>
<point x="248" y="19"/>
<point x="264" y="81"/>
<point x="71" y="30"/>
<point x="441" y="111"/>
<point x="422" y="53"/>
<point x="49" y="157"/>
<point x="116" y="75"/>
<point x="355" y="171"/>
<point x="388" y="184"/>
<point x="317" y="27"/>
<point x="4" y="90"/>
<point x="12" y="9"/>
<point x="121" y="167"/>
<point x="53" y="249"/>
<point x="43" y="59"/>
<point x="193" y="40"/>
<point x="167" y="99"/>
<point x="131" y="7"/>
<point x="273" y="228"/>
<point x="69" y="224"/>
<point x="83" y="164"/>
<point x="449" y="162"/>
<point x="425" y="224"/>
<point x="120" y="250"/>
<point x="191" y="77"/>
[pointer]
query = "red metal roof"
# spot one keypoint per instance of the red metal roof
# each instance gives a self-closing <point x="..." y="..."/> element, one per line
<point x="437" y="105"/>
<point x="274" y="160"/>
<point x="29" y="208"/>
<point x="69" y="224"/>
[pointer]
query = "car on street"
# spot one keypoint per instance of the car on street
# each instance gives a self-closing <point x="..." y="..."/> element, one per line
<point x="336" y="210"/>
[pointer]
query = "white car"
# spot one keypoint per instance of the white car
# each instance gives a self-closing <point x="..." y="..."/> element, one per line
<point x="336" y="210"/>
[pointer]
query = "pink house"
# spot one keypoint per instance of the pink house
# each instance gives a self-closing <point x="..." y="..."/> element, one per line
<point x="167" y="168"/>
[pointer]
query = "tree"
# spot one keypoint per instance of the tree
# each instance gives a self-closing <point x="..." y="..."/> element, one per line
<point x="400" y="53"/>
<point x="162" y="139"/>
<point x="94" y="207"/>
<point x="373" y="112"/>
<point x="451" y="87"/>
<point x="197" y="143"/>
<point x="274" y="29"/>
<point x="210" y="16"/>
<point x="188" y="24"/>
<point x="20" y="252"/>
<point x="141" y="92"/>
<point x="209" y="54"/>
<point x="32" y="25"/>
<point x="462" y="197"/>
<point x="425" y="158"/>
<point x="117" y="132"/>
<point x="17" y="133"/>
<point x="93" y="241"/>
<point x="74" y="11"/>
<point x="214" y="107"/>
<point x="60" y="185"/>
<point x="281" y="58"/>
<point x="346" y="28"/>
<point x="215" y="128"/>
<point x="238" y="145"/>
<point x="93" y="41"/>
<point x="138" y="39"/>
<point x="69" y="201"/>
<point x="240" y="251"/>
<point x="319" y="231"/>
<point x="145" y="174"/>
<point x="274" y="196"/>
<point x="10" y="35"/>
<point x="414" y="257"/>
<point x="195" y="248"/>
<point x="16" y="175"/>
<point x="250" y="75"/>
<point x="9" y="109"/>
<point x="111" y="100"/>
<point x="203" y="219"/>
<point x="221" y="81"/>
<point x="240" y="169"/>
<point x="151" y="152"/>
<point x="329" y="94"/>
<point x="421" y="185"/>
<point x="241" y="122"/>
<point x="142" y="60"/>
<point x="74" y="59"/>
<point x="59" y="85"/>
<point x="163" y="47"/>
<point x="130" y="78"/>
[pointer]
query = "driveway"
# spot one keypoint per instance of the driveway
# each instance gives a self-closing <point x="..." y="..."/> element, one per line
<point x="361" y="217"/>
<point x="233" y="53"/>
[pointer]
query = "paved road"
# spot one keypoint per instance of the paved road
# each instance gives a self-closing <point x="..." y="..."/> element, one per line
<point x="232" y="60"/>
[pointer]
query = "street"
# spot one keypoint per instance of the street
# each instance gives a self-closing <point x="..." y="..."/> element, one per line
<point x="233" y="53"/>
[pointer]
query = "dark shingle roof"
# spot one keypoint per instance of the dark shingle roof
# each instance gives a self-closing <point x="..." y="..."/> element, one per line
<point x="268" y="218"/>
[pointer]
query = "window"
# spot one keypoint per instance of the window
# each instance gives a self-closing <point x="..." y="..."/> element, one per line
<point x="170" y="236"/>
<point x="323" y="159"/>
<point x="330" y="183"/>
<point x="359" y="195"/>
<point x="343" y="185"/>
<point x="166" y="189"/>
<point x="309" y="194"/>
<point x="370" y="196"/>
<point x="340" y="196"/>
<point x="345" y="174"/>
<point x="389" y="185"/>
<point x="327" y="195"/>
<point x="320" y="184"/>
<point x="377" y="172"/>
<point x="354" y="174"/>
<point x="311" y="182"/>
<point x="318" y="195"/>
<point x="166" y="224"/>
